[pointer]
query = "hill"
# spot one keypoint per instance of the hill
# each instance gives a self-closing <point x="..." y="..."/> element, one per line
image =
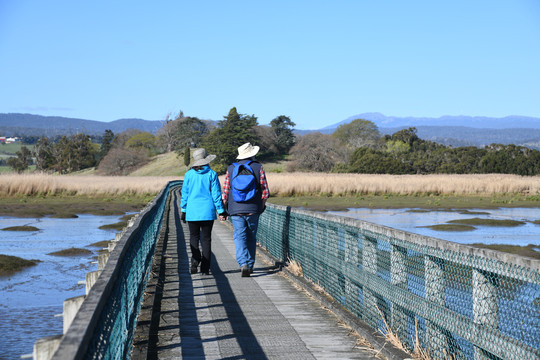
<point x="479" y="122"/>
<point x="455" y="130"/>
<point x="14" y="124"/>
<point x="447" y="130"/>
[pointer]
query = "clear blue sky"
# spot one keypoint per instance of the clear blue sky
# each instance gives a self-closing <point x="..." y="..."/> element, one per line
<point x="317" y="62"/>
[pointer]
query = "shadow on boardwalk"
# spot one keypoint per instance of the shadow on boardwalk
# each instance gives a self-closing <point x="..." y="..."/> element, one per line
<point x="225" y="316"/>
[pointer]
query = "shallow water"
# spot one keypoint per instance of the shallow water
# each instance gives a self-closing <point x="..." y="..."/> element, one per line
<point x="30" y="299"/>
<point x="413" y="222"/>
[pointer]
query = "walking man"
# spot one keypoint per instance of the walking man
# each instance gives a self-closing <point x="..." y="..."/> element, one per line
<point x="245" y="191"/>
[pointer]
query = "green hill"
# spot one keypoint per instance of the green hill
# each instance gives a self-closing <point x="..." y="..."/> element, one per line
<point x="168" y="164"/>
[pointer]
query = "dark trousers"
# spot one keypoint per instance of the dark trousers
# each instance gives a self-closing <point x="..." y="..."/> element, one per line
<point x="200" y="232"/>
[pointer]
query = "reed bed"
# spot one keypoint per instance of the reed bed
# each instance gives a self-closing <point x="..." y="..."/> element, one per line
<point x="44" y="184"/>
<point x="289" y="184"/>
<point x="283" y="184"/>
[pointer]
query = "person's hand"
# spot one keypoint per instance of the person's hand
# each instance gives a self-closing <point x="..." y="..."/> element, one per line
<point x="223" y="216"/>
<point x="183" y="217"/>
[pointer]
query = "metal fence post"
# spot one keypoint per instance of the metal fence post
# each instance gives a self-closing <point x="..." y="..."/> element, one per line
<point x="485" y="305"/>
<point x="436" y="340"/>
<point x="398" y="277"/>
<point x="369" y="263"/>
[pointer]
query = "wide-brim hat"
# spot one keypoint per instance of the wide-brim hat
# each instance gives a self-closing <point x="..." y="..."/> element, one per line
<point x="201" y="157"/>
<point x="246" y="151"/>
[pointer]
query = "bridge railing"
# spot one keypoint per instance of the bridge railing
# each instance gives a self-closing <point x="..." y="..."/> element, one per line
<point x="104" y="325"/>
<point x="460" y="302"/>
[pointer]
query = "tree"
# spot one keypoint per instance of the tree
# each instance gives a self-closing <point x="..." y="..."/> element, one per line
<point x="121" y="138"/>
<point x="106" y="144"/>
<point x="231" y="132"/>
<point x="167" y="135"/>
<point x="190" y="131"/>
<point x="266" y="139"/>
<point x="283" y="130"/>
<point x="187" y="156"/>
<point x="143" y="141"/>
<point x="43" y="153"/>
<point x="121" y="162"/>
<point x="22" y="161"/>
<point x="73" y="153"/>
<point x="357" y="133"/>
<point x="408" y="136"/>
<point x="317" y="152"/>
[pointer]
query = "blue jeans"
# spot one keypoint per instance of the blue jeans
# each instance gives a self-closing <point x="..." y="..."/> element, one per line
<point x="245" y="238"/>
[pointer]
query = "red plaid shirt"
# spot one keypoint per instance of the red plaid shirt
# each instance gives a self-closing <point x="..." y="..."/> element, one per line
<point x="265" y="191"/>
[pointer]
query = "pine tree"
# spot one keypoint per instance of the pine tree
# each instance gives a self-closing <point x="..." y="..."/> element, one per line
<point x="233" y="131"/>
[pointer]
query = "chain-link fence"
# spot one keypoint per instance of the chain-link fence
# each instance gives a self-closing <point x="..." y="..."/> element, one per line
<point x="455" y="301"/>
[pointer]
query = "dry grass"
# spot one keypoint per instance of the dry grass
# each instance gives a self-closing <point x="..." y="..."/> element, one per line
<point x="288" y="184"/>
<point x="44" y="184"/>
<point x="295" y="268"/>
<point x="392" y="336"/>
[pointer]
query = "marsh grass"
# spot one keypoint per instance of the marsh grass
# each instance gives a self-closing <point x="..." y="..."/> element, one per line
<point x="487" y="222"/>
<point x="100" y="244"/>
<point x="528" y="250"/>
<point x="20" y="228"/>
<point x="290" y="184"/>
<point x="73" y="251"/>
<point x="13" y="185"/>
<point x="11" y="264"/>
<point x="450" y="227"/>
<point x="116" y="226"/>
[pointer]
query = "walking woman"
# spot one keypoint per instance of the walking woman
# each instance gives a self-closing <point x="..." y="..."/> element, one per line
<point x="201" y="199"/>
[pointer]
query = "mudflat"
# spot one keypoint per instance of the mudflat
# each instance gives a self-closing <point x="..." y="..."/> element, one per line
<point x="395" y="201"/>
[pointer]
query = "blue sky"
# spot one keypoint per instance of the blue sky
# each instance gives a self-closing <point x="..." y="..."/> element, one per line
<point x="317" y="62"/>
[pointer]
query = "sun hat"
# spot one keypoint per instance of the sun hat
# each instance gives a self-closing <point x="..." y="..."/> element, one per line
<point x="246" y="151"/>
<point x="201" y="157"/>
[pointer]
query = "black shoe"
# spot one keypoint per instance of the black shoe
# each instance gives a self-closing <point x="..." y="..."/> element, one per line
<point x="193" y="269"/>
<point x="245" y="271"/>
<point x="250" y="270"/>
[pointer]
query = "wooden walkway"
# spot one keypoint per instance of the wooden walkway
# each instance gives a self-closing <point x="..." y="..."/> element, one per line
<point x="225" y="316"/>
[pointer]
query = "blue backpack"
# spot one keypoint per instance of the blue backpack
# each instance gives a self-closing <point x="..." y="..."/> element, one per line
<point x="243" y="182"/>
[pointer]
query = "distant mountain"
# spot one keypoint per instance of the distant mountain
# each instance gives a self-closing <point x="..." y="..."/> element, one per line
<point x="455" y="130"/>
<point x="14" y="124"/>
<point x="383" y="121"/>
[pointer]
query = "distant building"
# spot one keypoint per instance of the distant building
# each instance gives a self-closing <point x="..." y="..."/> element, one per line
<point x="10" y="140"/>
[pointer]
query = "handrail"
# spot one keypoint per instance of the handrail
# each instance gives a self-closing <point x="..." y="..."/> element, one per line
<point x="104" y="325"/>
<point x="461" y="301"/>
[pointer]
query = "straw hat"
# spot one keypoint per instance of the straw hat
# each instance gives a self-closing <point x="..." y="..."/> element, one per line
<point x="246" y="151"/>
<point x="201" y="157"/>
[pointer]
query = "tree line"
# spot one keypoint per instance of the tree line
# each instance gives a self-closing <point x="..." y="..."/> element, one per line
<point x="356" y="147"/>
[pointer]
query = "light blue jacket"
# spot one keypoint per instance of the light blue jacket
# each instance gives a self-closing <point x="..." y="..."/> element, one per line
<point x="201" y="195"/>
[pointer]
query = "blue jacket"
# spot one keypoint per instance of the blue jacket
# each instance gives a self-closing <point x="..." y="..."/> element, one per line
<point x="201" y="195"/>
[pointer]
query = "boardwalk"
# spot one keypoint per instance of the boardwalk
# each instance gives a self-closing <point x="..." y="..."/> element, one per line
<point x="225" y="316"/>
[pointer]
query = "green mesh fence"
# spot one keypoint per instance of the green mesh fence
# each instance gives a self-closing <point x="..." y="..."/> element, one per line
<point x="459" y="302"/>
<point x="113" y="334"/>
<point x="106" y="321"/>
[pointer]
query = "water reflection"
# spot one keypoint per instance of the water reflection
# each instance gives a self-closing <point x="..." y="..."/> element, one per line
<point x="30" y="299"/>
<point x="414" y="222"/>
